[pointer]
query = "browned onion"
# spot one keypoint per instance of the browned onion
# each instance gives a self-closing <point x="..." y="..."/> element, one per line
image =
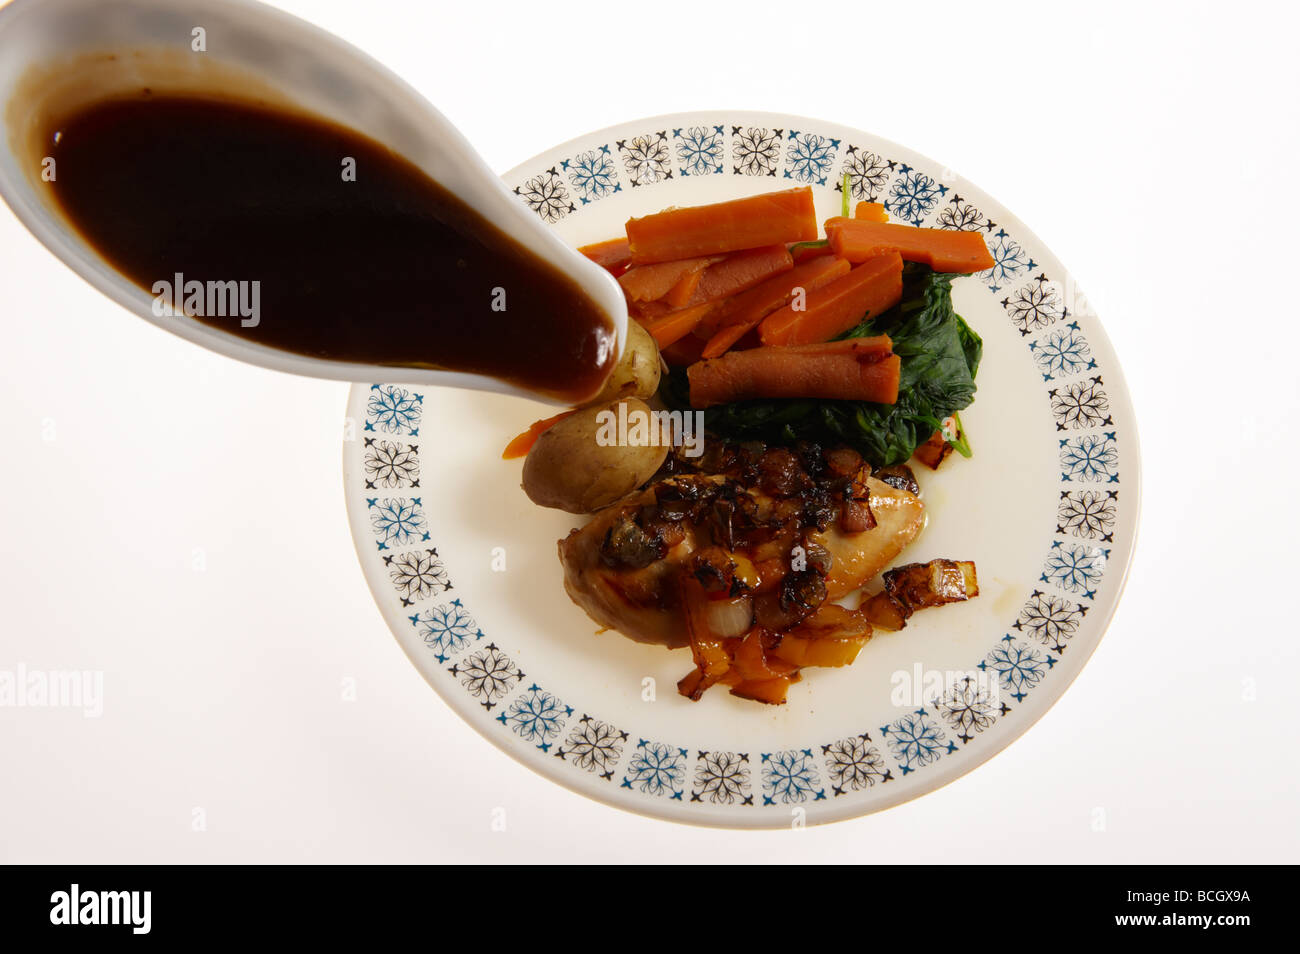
<point x="728" y="618"/>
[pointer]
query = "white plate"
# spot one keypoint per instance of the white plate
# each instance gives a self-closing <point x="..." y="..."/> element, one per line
<point x="465" y="571"/>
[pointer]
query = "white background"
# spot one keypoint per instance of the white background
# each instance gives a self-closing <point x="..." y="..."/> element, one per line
<point x="1152" y="148"/>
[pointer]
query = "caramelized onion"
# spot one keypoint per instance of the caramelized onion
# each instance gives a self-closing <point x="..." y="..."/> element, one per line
<point x="728" y="618"/>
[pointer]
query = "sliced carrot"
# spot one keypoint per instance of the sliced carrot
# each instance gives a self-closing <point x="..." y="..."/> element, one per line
<point x="613" y="255"/>
<point x="865" y="349"/>
<point x="833" y="309"/>
<point x="652" y="282"/>
<point x="681" y="293"/>
<point x="643" y="311"/>
<point x="521" y="445"/>
<point x="871" y="212"/>
<point x="734" y="319"/>
<point x="723" y="339"/>
<point x="683" y="352"/>
<point x="673" y="326"/>
<point x="769" y="219"/>
<point x="730" y="276"/>
<point x="857" y="369"/>
<point x="740" y="272"/>
<point x="944" y="250"/>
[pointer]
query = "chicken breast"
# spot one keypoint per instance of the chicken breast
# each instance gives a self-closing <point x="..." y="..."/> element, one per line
<point x="624" y="567"/>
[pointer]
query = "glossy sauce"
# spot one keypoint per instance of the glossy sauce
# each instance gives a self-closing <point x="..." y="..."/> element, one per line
<point x="389" y="269"/>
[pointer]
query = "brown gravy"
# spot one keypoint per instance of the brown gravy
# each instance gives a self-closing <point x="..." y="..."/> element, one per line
<point x="388" y="269"/>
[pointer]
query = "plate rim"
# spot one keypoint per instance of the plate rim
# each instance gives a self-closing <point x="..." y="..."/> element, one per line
<point x="1030" y="711"/>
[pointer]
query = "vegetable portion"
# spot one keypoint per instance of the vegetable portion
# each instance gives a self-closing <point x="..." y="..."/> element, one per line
<point x="871" y="212"/>
<point x="769" y="219"/>
<point x="740" y="272"/>
<point x="833" y="309"/>
<point x="652" y="282"/>
<point x="674" y="325"/>
<point x="939" y="356"/>
<point x="740" y="315"/>
<point x="569" y="469"/>
<point x="919" y="586"/>
<point x="613" y="255"/>
<point x="944" y="250"/>
<point x="521" y="445"/>
<point x="862" y="369"/>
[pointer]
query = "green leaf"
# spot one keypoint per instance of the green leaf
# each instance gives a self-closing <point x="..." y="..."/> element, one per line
<point x="961" y="444"/>
<point x="820" y="243"/>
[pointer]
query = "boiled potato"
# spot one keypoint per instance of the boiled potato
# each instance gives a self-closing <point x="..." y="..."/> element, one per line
<point x="637" y="372"/>
<point x="569" y="470"/>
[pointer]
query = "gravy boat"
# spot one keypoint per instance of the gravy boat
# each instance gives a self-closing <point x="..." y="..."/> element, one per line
<point x="56" y="54"/>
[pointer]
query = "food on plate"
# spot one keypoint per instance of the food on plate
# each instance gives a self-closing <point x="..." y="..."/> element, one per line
<point x="941" y="443"/>
<point x="832" y="309"/>
<point x="918" y="586"/>
<point x="615" y="255"/>
<point x="939" y="356"/>
<point x="871" y="211"/>
<point x="817" y="368"/>
<point x="730" y="522"/>
<point x="856" y="369"/>
<point x="635" y="376"/>
<point x="740" y="315"/>
<point x="570" y="469"/>
<point x="637" y="371"/>
<point x="944" y="250"/>
<point x="675" y="282"/>
<point x="740" y="224"/>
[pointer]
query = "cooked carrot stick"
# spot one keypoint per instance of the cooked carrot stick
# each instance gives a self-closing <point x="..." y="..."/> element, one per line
<point x="521" y="445"/>
<point x="740" y="272"/>
<point x="613" y="255"/>
<point x="769" y="219"/>
<point x="681" y="293"/>
<point x="734" y="274"/>
<point x="643" y="311"/>
<point x="943" y="250"/>
<point x="673" y="326"/>
<point x="871" y="212"/>
<point x="683" y="352"/>
<point x="764" y="298"/>
<point x="858" y="369"/>
<point x="722" y="340"/>
<point x="652" y="282"/>
<point x="864" y="349"/>
<point x="833" y="309"/>
<point x="738" y="315"/>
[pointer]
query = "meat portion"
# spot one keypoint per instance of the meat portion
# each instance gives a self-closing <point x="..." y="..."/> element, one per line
<point x="856" y="558"/>
<point x="787" y="529"/>
<point x="641" y="602"/>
